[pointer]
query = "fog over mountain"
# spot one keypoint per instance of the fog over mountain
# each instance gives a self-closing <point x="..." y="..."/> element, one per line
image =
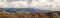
<point x="53" y="5"/>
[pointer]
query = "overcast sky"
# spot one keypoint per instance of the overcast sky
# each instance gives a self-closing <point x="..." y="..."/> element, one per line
<point x="38" y="4"/>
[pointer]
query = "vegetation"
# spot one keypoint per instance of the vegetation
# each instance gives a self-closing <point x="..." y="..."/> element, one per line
<point x="1" y="14"/>
<point x="54" y="14"/>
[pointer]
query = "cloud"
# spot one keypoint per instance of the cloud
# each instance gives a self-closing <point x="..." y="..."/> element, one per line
<point x="3" y="5"/>
<point x="41" y="4"/>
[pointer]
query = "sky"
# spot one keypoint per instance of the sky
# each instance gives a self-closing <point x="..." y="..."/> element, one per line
<point x="38" y="4"/>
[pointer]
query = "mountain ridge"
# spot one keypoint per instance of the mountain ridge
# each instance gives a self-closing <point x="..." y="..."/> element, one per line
<point x="24" y="9"/>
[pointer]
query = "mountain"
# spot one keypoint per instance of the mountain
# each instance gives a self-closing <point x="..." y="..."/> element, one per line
<point x="24" y="9"/>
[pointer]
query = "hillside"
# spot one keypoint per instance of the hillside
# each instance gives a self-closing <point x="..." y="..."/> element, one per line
<point x="21" y="14"/>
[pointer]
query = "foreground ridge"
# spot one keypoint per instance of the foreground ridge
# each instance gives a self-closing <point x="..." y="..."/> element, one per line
<point x="53" y="14"/>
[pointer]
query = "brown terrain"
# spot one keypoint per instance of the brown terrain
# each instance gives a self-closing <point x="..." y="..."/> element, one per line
<point x="53" y="14"/>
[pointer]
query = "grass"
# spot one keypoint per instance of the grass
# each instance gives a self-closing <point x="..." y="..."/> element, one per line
<point x="54" y="14"/>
